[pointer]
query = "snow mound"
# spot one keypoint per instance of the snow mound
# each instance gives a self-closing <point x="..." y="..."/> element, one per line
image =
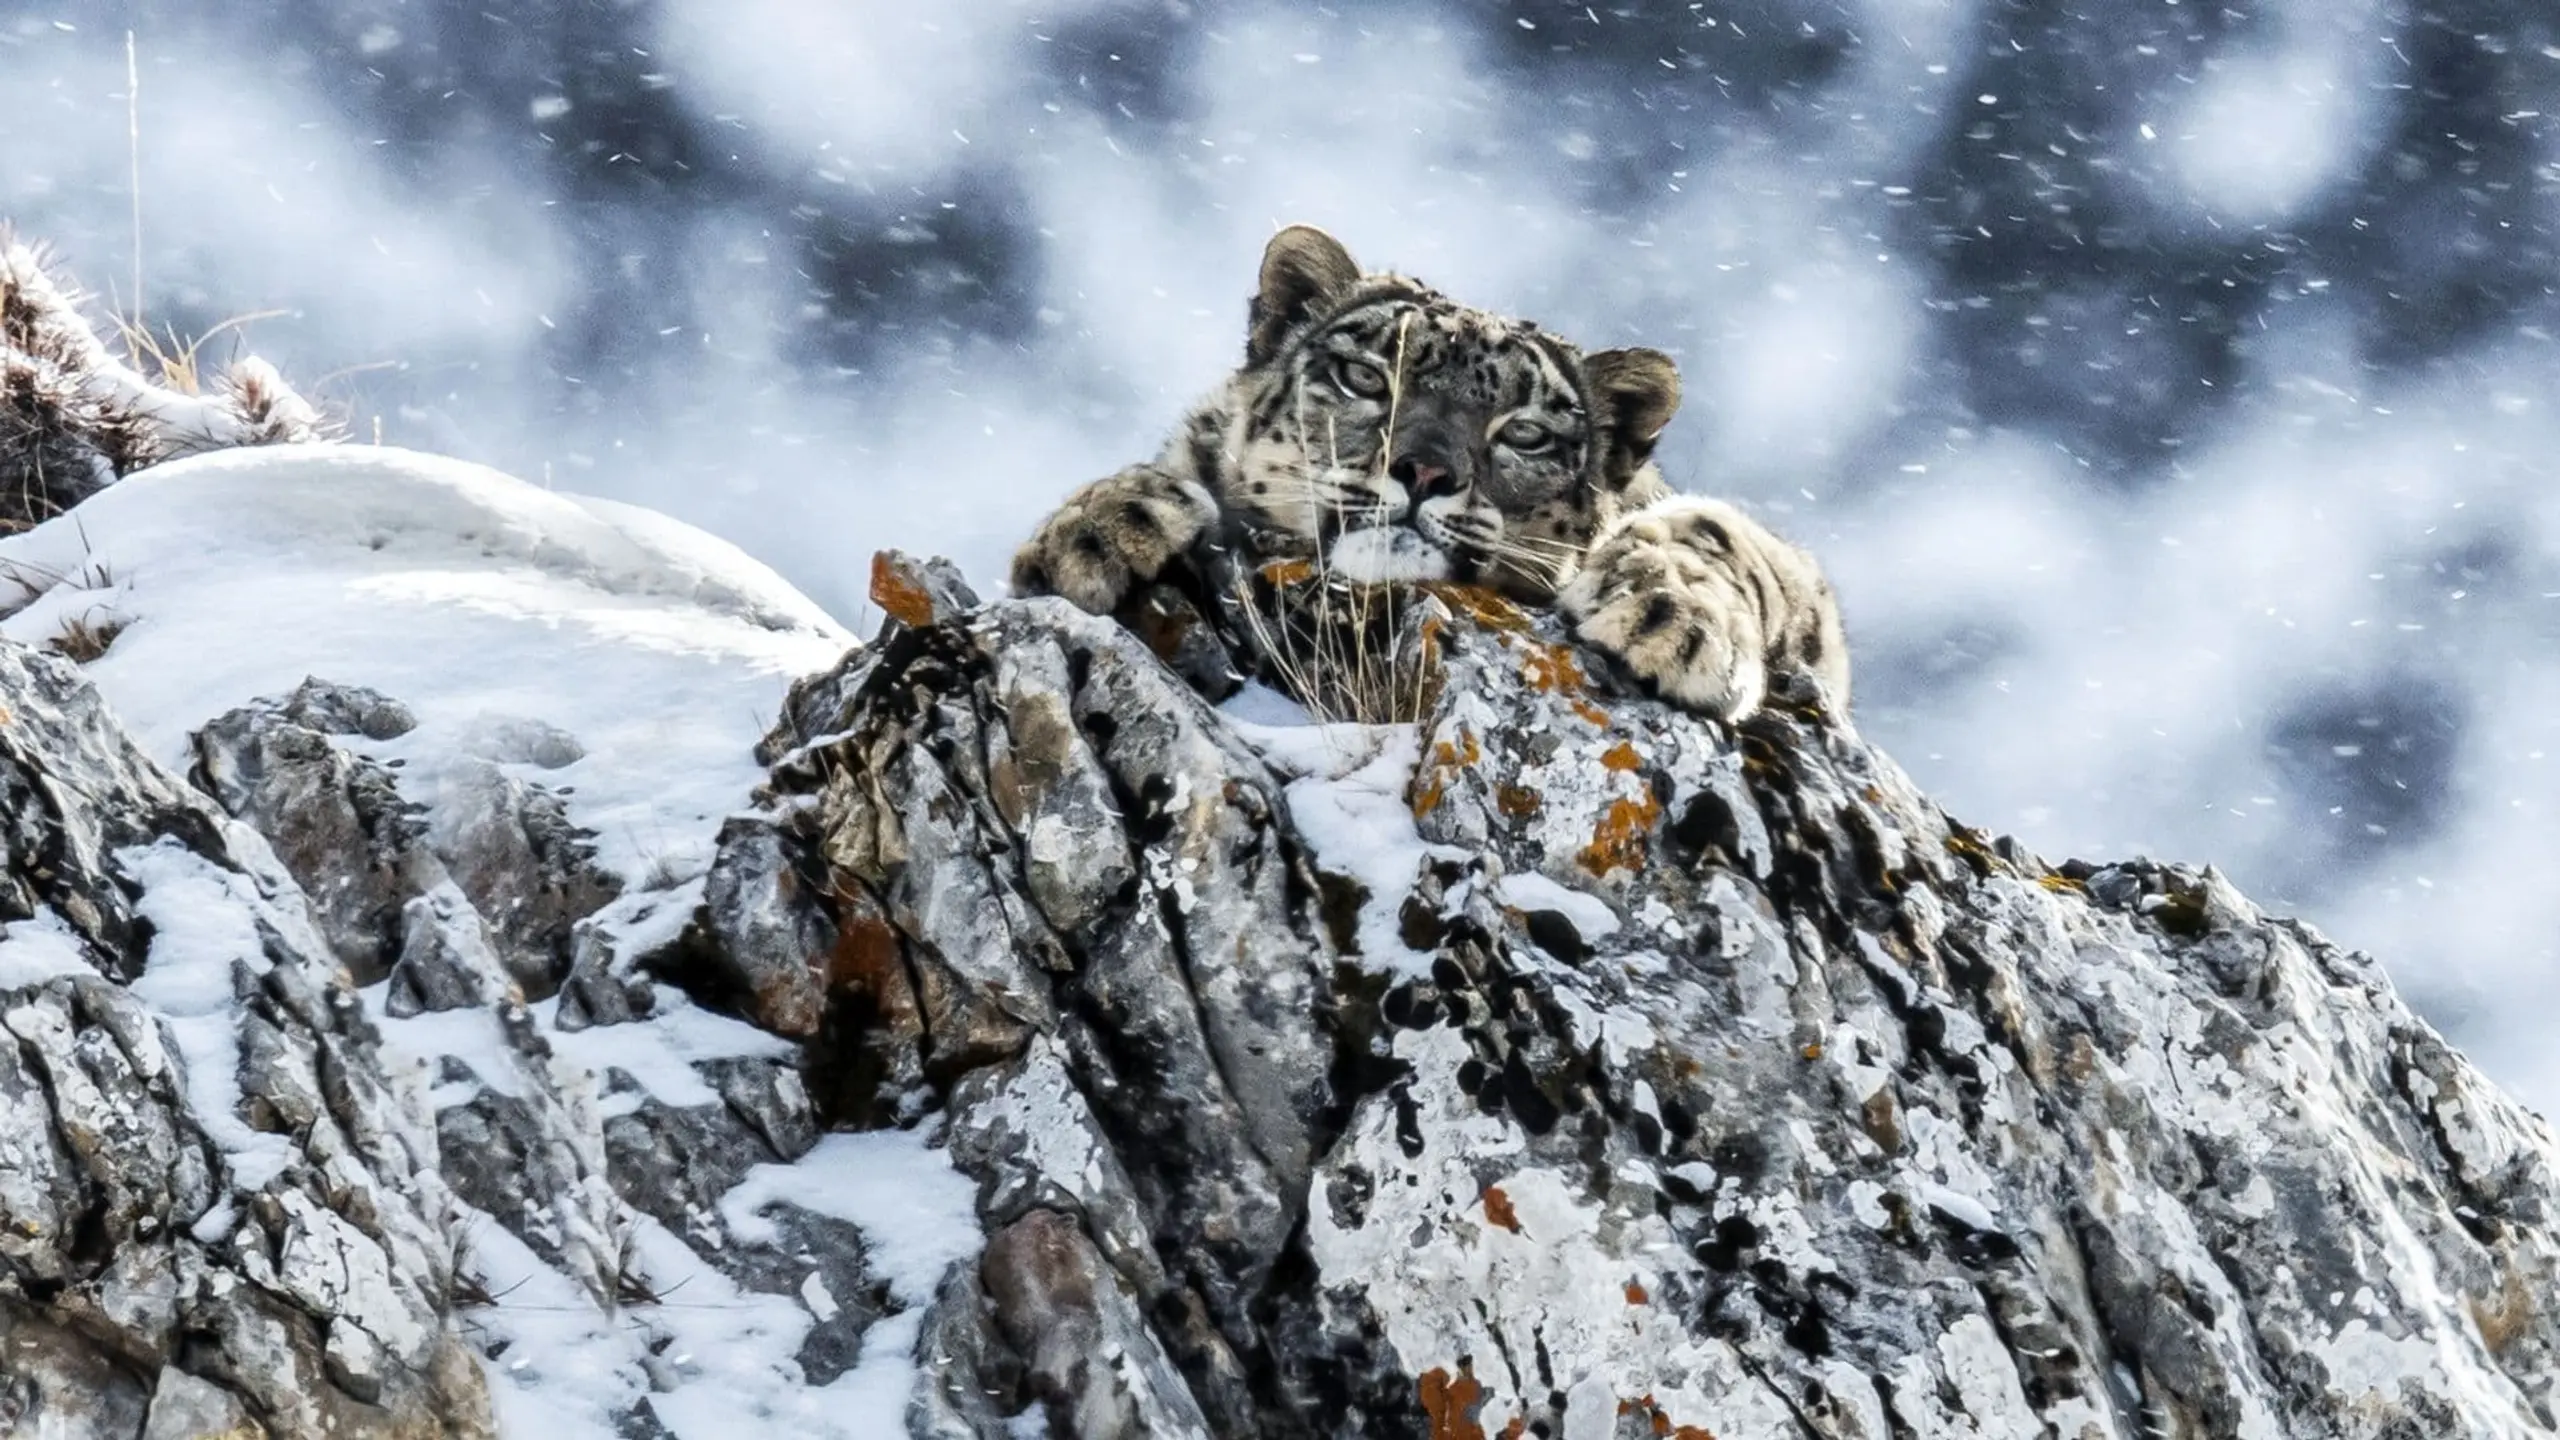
<point x="478" y="600"/>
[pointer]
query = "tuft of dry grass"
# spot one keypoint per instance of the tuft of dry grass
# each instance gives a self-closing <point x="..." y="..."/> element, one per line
<point x="175" y="363"/>
<point x="1347" y="651"/>
<point x="83" y="639"/>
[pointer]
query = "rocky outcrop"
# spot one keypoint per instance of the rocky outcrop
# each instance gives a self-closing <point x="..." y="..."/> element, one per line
<point x="458" y="902"/>
<point x="1557" y="1064"/>
<point x="1568" y="1065"/>
<point x="216" y="1209"/>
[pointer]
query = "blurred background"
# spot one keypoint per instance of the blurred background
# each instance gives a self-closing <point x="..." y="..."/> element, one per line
<point x="2167" y="384"/>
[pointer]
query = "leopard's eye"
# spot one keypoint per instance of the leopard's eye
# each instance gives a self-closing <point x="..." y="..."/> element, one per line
<point x="1526" y="436"/>
<point x="1360" y="378"/>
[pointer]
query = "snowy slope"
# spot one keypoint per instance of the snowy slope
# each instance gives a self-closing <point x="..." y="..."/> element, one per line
<point x="507" y="617"/>
<point x="472" y="597"/>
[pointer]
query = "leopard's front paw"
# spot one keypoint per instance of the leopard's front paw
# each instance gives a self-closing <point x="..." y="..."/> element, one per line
<point x="1112" y="536"/>
<point x="1675" y="620"/>
<point x="1702" y="602"/>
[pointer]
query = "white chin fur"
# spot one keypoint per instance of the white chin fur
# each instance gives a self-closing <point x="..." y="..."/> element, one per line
<point x="1387" y="553"/>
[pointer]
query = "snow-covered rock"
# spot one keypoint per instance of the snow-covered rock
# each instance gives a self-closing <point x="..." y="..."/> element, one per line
<point x="215" y="1199"/>
<point x="495" y="735"/>
<point x="612" y="653"/>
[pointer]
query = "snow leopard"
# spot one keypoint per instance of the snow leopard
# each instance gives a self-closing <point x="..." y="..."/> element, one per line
<point x="1382" y="432"/>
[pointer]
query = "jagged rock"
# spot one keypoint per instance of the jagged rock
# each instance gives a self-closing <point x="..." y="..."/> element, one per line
<point x="206" y="1174"/>
<point x="488" y="862"/>
<point x="446" y="961"/>
<point x="1566" y="1064"/>
<point x="912" y="594"/>
<point x="767" y="949"/>
<point x="1093" y="1364"/>
<point x="612" y="949"/>
<point x="531" y="1159"/>
<point x="529" y="870"/>
<point x="186" y="1408"/>
<point x="336" y="818"/>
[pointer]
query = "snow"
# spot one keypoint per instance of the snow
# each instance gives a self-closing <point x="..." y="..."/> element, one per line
<point x="709" y="1355"/>
<point x="1955" y="1205"/>
<point x="1357" y="818"/>
<point x="473" y="598"/>
<point x="37" y="950"/>
<point x="204" y="925"/>
<point x="713" y="1360"/>
<point x="1590" y="915"/>
<point x="918" y="1215"/>
<point x="659" y="1056"/>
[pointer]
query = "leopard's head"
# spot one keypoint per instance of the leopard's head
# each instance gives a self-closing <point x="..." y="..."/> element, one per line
<point x="1386" y="432"/>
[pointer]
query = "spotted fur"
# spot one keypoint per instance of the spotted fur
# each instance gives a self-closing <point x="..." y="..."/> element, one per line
<point x="1381" y="431"/>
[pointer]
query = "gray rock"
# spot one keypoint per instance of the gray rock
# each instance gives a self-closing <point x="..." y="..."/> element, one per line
<point x="530" y="872"/>
<point x="186" y="1408"/>
<point x="335" y="818"/>
<point x="769" y="947"/>
<point x="1094" y="1366"/>
<point x="446" y="961"/>
<point x="1573" y="1064"/>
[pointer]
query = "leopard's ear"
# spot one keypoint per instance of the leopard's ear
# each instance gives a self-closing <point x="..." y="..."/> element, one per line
<point x="1300" y="266"/>
<point x="1634" y="393"/>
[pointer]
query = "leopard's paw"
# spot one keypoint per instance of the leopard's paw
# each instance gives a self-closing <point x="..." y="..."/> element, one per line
<point x="1705" y="604"/>
<point x="1673" y="616"/>
<point x="1111" y="537"/>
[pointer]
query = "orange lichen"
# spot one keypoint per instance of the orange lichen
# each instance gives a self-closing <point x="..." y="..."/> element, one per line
<point x="1621" y="757"/>
<point x="897" y="592"/>
<point x="1813" y="1051"/>
<point x="1431" y="783"/>
<point x="1485" y="607"/>
<point x="1592" y="714"/>
<point x="1516" y="800"/>
<point x="1451" y="1403"/>
<point x="1618" y="841"/>
<point x="1497" y="1208"/>
<point x="1550" y="668"/>
<point x="1969" y="846"/>
<point x="1288" y="572"/>
<point x="2061" y="884"/>
<point x="1636" y="1294"/>
<point x="1646" y="1408"/>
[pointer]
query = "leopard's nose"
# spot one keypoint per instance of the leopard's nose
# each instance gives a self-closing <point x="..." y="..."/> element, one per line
<point x="1422" y="479"/>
